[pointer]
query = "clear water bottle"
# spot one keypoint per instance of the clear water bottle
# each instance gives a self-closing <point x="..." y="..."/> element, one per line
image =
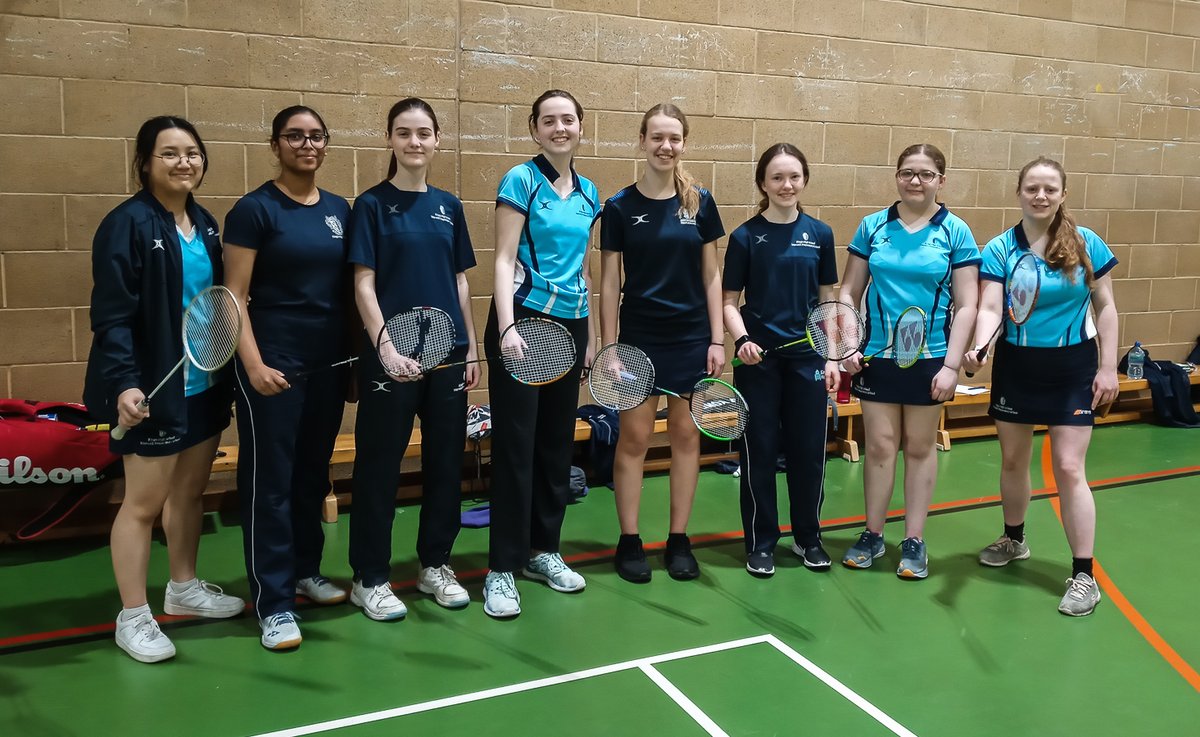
<point x="1137" y="360"/>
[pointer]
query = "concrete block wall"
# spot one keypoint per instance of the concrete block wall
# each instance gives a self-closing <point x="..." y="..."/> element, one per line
<point x="1110" y="87"/>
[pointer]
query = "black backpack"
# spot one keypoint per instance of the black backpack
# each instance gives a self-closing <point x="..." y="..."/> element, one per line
<point x="1170" y="390"/>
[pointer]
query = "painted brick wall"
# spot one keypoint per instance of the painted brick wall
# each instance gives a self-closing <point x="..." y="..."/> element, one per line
<point x="1110" y="87"/>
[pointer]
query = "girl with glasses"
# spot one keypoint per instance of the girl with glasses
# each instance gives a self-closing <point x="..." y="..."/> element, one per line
<point x="151" y="255"/>
<point x="915" y="253"/>
<point x="285" y="260"/>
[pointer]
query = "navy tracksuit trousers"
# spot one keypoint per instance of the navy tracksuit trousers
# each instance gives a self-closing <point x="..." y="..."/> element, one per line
<point x="787" y="401"/>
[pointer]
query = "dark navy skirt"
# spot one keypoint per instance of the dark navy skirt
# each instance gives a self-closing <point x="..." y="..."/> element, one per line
<point x="882" y="380"/>
<point x="206" y="416"/>
<point x="1044" y="386"/>
<point x="677" y="366"/>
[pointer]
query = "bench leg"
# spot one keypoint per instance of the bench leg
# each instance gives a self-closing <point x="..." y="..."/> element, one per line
<point x="329" y="510"/>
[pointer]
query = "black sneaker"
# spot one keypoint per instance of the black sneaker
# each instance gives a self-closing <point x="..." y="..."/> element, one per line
<point x="761" y="564"/>
<point x="681" y="564"/>
<point x="814" y="556"/>
<point x="630" y="560"/>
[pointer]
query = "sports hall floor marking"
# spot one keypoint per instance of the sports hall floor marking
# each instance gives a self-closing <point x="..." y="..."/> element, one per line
<point x="646" y="665"/>
<point x="1109" y="587"/>
<point x="95" y="632"/>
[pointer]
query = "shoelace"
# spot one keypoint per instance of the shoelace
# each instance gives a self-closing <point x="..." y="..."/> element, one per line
<point x="210" y="590"/>
<point x="910" y="548"/>
<point x="503" y="585"/>
<point x="865" y="540"/>
<point x="319" y="580"/>
<point x="149" y="629"/>
<point x="380" y="592"/>
<point x="553" y="562"/>
<point x="275" y="621"/>
<point x="443" y="575"/>
<point x="1079" y="588"/>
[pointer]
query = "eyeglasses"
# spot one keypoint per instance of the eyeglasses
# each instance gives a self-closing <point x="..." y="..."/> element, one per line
<point x="171" y="158"/>
<point x="296" y="139"/>
<point x="926" y="176"/>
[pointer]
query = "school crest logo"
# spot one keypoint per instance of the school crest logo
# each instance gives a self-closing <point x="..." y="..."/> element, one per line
<point x="687" y="219"/>
<point x="335" y="225"/>
<point x="441" y="215"/>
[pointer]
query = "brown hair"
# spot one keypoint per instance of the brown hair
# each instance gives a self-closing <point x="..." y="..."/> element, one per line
<point x="760" y="171"/>
<point x="1065" y="249"/>
<point x="928" y="149"/>
<point x="685" y="184"/>
<point x="537" y="106"/>
<point x="408" y="103"/>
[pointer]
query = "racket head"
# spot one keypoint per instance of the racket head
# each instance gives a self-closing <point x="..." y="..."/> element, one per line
<point x="1021" y="292"/>
<point x="909" y="337"/>
<point x="835" y="330"/>
<point x="212" y="324"/>
<point x="719" y="410"/>
<point x="621" y="377"/>
<point x="548" y="355"/>
<point x="424" y="335"/>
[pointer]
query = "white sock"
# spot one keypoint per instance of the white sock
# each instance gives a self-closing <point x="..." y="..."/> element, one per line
<point x="127" y="615"/>
<point x="179" y="588"/>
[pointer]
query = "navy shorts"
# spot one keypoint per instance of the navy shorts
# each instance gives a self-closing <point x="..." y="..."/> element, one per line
<point x="1044" y="386"/>
<point x="206" y="417"/>
<point x="677" y="366"/>
<point x="882" y="380"/>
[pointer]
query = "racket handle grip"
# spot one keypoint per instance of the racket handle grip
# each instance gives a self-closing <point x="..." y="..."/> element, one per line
<point x="979" y="356"/>
<point x="736" y="362"/>
<point x="118" y="432"/>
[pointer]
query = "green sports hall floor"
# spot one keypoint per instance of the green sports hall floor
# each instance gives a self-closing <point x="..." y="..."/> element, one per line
<point x="969" y="651"/>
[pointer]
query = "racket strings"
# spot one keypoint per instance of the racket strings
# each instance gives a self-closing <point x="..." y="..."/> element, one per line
<point x="621" y="377"/>
<point x="549" y="352"/>
<point x="1023" y="289"/>
<point x="425" y="335"/>
<point x="212" y="325"/>
<point x="835" y="330"/>
<point x="719" y="410"/>
<point x="910" y="337"/>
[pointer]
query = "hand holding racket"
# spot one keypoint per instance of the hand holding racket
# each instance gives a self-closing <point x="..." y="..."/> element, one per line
<point x="907" y="339"/>
<point x="414" y="342"/>
<point x="1020" y="296"/>
<point x="622" y="377"/>
<point x="833" y="329"/>
<point x="212" y="324"/>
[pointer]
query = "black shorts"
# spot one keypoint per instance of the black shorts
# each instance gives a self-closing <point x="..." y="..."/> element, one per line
<point x="206" y="416"/>
<point x="677" y="366"/>
<point x="1044" y="386"/>
<point x="882" y="380"/>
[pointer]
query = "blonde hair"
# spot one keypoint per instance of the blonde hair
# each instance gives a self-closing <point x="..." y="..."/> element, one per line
<point x="686" y="185"/>
<point x="1066" y="249"/>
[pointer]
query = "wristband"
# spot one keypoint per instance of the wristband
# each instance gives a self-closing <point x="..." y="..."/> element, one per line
<point x="722" y="343"/>
<point x="737" y="344"/>
<point x="952" y="368"/>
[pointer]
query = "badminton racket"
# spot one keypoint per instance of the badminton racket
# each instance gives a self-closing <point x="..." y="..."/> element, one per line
<point x="212" y="324"/>
<point x="1020" y="296"/>
<point x="833" y="329"/>
<point x="907" y="339"/>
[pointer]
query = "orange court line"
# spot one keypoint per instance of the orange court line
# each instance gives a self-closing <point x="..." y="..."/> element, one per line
<point x="1123" y="605"/>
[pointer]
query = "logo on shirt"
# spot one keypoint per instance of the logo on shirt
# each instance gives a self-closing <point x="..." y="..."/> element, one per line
<point x="212" y="231"/>
<point x="641" y="219"/>
<point x="441" y="215"/>
<point x="760" y="239"/>
<point x="158" y="246"/>
<point x="583" y="210"/>
<point x="545" y="204"/>
<point x="804" y="242"/>
<point x="393" y="209"/>
<point x="381" y="386"/>
<point x="885" y="240"/>
<point x="687" y="220"/>
<point x="335" y="225"/>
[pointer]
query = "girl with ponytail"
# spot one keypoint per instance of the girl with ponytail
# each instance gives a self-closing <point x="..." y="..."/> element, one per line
<point x="1050" y="370"/>
<point x="658" y="246"/>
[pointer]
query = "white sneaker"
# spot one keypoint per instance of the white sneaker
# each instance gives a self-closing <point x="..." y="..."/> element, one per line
<point x="280" y="631"/>
<point x="141" y="638"/>
<point x="1083" y="594"/>
<point x="444" y="586"/>
<point x="500" y="597"/>
<point x="202" y="599"/>
<point x="378" y="602"/>
<point x="549" y="567"/>
<point x="320" y="590"/>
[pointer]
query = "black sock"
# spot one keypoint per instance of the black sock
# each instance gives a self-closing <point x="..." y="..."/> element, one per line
<point x="1016" y="533"/>
<point x="1081" y="565"/>
<point x="628" y="543"/>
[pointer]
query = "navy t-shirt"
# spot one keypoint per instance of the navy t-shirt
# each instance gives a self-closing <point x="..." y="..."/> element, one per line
<point x="781" y="267"/>
<point x="662" y="255"/>
<point x="298" y="291"/>
<point x="417" y="244"/>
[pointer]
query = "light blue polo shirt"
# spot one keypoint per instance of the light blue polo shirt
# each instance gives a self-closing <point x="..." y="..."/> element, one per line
<point x="197" y="276"/>
<point x="548" y="275"/>
<point x="1062" y="315"/>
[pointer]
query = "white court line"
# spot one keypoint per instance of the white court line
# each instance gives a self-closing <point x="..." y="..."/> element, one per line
<point x="684" y="702"/>
<point x="842" y="689"/>
<point x="376" y="716"/>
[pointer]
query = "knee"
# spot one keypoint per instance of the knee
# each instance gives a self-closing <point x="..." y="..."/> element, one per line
<point x="1069" y="473"/>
